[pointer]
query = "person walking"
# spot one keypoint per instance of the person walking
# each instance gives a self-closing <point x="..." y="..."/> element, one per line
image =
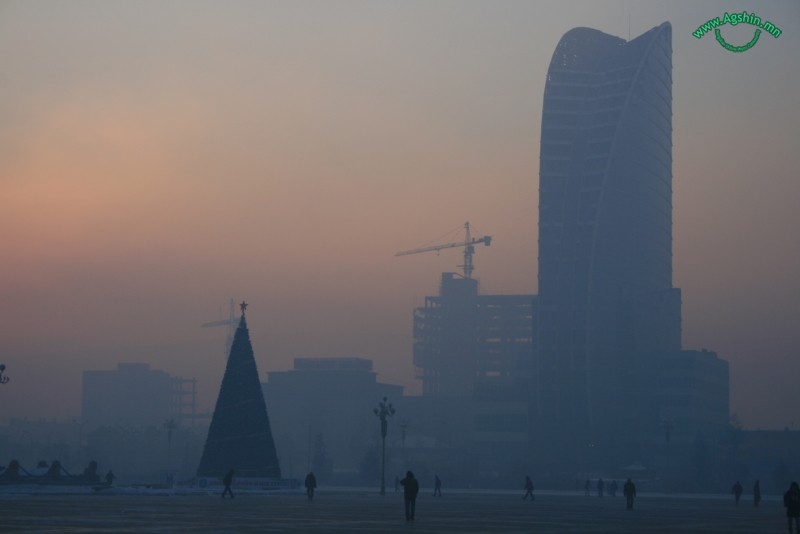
<point x="311" y="485"/>
<point x="737" y="491"/>
<point x="528" y="488"/>
<point x="601" y="487"/>
<point x="410" y="490"/>
<point x="756" y="493"/>
<point x="612" y="488"/>
<point x="437" y="486"/>
<point x="791" y="500"/>
<point x="629" y="490"/>
<point x="227" y="480"/>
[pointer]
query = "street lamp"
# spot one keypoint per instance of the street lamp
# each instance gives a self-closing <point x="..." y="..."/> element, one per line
<point x="80" y="424"/>
<point x="169" y="425"/>
<point x="3" y="379"/>
<point x="30" y="439"/>
<point x="383" y="412"/>
<point x="666" y="423"/>
<point x="403" y="425"/>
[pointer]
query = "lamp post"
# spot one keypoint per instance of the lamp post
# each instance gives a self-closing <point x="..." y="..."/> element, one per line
<point x="403" y="425"/>
<point x="383" y="412"/>
<point x="667" y="424"/>
<point x="30" y="439"/>
<point x="3" y="379"/>
<point x="80" y="422"/>
<point x="169" y="426"/>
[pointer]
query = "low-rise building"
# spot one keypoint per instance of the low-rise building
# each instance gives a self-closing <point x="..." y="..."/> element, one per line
<point x="133" y="394"/>
<point x="321" y="414"/>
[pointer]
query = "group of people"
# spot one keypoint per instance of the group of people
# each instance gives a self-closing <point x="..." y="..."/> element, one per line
<point x="310" y="484"/>
<point x="738" y="489"/>
<point x="628" y="490"/>
<point x="409" y="483"/>
<point x="791" y="499"/>
<point x="601" y="487"/>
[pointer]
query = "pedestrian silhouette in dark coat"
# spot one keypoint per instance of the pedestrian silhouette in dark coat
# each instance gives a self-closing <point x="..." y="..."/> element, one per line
<point x="791" y="500"/>
<point x="311" y="485"/>
<point x="629" y="490"/>
<point x="528" y="488"/>
<point x="737" y="491"/>
<point x="601" y="486"/>
<point x="437" y="486"/>
<point x="756" y="493"/>
<point x="612" y="488"/>
<point x="410" y="490"/>
<point x="228" y="480"/>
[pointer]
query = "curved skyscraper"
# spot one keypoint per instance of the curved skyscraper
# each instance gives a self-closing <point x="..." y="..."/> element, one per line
<point x="607" y="308"/>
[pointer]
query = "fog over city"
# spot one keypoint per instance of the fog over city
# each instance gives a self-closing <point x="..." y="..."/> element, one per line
<point x="158" y="159"/>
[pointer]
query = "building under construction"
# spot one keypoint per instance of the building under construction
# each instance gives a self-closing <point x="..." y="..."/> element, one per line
<point x="467" y="344"/>
<point x="474" y="355"/>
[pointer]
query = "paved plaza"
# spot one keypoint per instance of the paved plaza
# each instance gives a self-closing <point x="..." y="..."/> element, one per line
<point x="363" y="512"/>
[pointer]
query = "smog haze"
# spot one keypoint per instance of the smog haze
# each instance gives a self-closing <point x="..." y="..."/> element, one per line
<point x="158" y="159"/>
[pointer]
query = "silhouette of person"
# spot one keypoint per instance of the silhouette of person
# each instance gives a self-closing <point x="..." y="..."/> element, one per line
<point x="601" y="486"/>
<point x="437" y="486"/>
<point x="737" y="491"/>
<point x="410" y="490"/>
<point x="629" y="490"/>
<point x="791" y="500"/>
<point x="110" y="477"/>
<point x="228" y="480"/>
<point x="311" y="485"/>
<point x="90" y="473"/>
<point x="756" y="493"/>
<point x="587" y="487"/>
<point x="612" y="488"/>
<point x="528" y="488"/>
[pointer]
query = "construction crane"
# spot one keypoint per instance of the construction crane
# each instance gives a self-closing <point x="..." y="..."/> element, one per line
<point x="468" y="244"/>
<point x="231" y="322"/>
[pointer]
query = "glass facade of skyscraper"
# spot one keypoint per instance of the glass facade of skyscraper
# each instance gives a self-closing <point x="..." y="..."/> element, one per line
<point x="607" y="308"/>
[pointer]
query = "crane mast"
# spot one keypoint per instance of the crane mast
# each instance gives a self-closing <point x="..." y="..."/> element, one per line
<point x="230" y="322"/>
<point x="468" y="244"/>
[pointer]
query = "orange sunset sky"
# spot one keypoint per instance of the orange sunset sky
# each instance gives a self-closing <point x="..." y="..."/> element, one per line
<point x="160" y="158"/>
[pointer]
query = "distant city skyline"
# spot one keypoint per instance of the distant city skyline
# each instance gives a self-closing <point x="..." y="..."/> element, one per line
<point x="160" y="159"/>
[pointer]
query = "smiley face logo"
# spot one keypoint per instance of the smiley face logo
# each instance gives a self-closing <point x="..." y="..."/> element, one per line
<point x="734" y="19"/>
<point x="733" y="48"/>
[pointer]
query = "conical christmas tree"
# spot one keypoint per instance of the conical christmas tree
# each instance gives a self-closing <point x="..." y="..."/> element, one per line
<point x="239" y="437"/>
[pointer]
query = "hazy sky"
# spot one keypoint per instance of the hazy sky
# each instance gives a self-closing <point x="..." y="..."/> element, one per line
<point x="159" y="158"/>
